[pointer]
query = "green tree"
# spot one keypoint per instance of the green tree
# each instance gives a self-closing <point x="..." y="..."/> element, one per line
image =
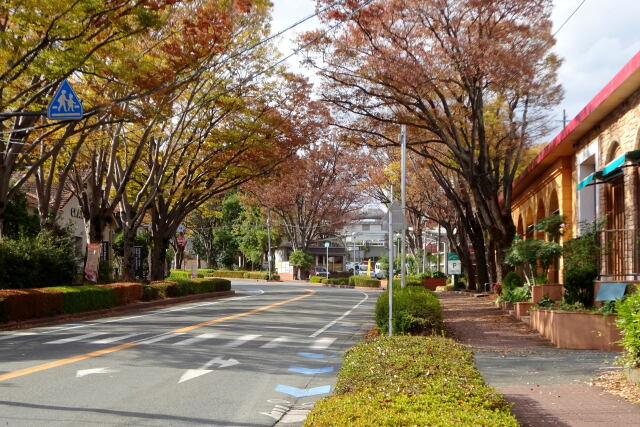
<point x="301" y="261"/>
<point x="532" y="253"/>
<point x="18" y="220"/>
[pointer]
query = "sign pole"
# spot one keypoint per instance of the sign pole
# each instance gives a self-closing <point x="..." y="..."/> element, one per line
<point x="269" y="241"/>
<point x="403" y="246"/>
<point x="390" y="276"/>
<point x="326" y="245"/>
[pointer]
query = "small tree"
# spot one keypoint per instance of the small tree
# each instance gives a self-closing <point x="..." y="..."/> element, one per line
<point x="301" y="261"/>
<point x="531" y="254"/>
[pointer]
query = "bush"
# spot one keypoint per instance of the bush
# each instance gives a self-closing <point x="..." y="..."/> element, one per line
<point x="335" y="281"/>
<point x="438" y="275"/>
<point x="126" y="293"/>
<point x="260" y="275"/>
<point x="25" y="304"/>
<point x="77" y="299"/>
<point x="201" y="286"/>
<point x="160" y="290"/>
<point x="578" y="285"/>
<point x="406" y="381"/>
<point x="629" y="323"/>
<point x="512" y="280"/>
<point x="415" y="311"/>
<point x="316" y="279"/>
<point x="409" y="281"/>
<point x="179" y="275"/>
<point x="364" y="281"/>
<point x="231" y="274"/>
<point x="32" y="262"/>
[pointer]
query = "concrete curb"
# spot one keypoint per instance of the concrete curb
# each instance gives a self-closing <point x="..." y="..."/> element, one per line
<point x="89" y="315"/>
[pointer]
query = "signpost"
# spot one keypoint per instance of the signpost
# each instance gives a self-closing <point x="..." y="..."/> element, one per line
<point x="326" y="245"/>
<point x="454" y="266"/>
<point x="65" y="104"/>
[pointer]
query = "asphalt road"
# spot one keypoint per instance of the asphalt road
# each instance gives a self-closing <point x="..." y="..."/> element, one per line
<point x="260" y="358"/>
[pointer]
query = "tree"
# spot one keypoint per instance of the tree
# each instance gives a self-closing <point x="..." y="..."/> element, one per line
<point x="472" y="79"/>
<point x="301" y="261"/>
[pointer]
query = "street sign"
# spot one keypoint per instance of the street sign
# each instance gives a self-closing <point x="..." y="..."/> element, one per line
<point x="327" y="244"/>
<point x="454" y="267"/>
<point x="65" y="104"/>
<point x="181" y="228"/>
<point x="397" y="216"/>
<point x="452" y="257"/>
<point x="181" y="240"/>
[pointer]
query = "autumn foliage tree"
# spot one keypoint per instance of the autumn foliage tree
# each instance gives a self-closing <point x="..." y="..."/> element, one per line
<point x="472" y="79"/>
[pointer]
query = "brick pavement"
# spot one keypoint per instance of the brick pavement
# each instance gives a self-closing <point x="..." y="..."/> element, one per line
<point x="547" y="386"/>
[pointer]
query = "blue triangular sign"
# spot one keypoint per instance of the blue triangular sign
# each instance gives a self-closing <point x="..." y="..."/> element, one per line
<point x="65" y="104"/>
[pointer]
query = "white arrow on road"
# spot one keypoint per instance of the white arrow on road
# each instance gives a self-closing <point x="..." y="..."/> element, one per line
<point x="195" y="373"/>
<point x="85" y="372"/>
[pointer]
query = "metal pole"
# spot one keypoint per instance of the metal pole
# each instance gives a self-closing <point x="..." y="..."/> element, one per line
<point x="269" y="241"/>
<point x="424" y="251"/>
<point x="403" y="237"/>
<point x="390" y="276"/>
<point x="327" y="263"/>
<point x="438" y="250"/>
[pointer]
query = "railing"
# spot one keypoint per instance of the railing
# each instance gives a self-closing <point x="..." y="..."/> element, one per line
<point x="619" y="255"/>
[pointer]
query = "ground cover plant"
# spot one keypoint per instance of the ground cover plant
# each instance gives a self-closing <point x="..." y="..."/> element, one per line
<point x="364" y="281"/>
<point x="629" y="323"/>
<point x="416" y="310"/>
<point x="409" y="380"/>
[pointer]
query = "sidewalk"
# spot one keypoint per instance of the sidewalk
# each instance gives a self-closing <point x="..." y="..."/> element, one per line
<point x="547" y="386"/>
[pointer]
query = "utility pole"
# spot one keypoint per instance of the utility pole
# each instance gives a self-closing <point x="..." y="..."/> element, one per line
<point x="403" y="245"/>
<point x="390" y="276"/>
<point x="269" y="241"/>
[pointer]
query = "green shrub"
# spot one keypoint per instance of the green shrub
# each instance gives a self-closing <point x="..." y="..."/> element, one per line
<point x="77" y="299"/>
<point x="316" y="279"/>
<point x="415" y="311"/>
<point x="47" y="259"/>
<point x="260" y="275"/>
<point x="409" y="281"/>
<point x="201" y="286"/>
<point x="206" y="272"/>
<point x="160" y="290"/>
<point x="335" y="280"/>
<point x="629" y="323"/>
<point x="438" y="275"/>
<point x="364" y="281"/>
<point x="231" y="274"/>
<point x="126" y="293"/>
<point x="402" y="380"/>
<point x="515" y="295"/>
<point x="511" y="280"/>
<point x="578" y="285"/>
<point x="179" y="275"/>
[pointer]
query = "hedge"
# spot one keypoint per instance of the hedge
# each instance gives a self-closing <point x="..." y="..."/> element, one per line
<point x="364" y="281"/>
<point x="416" y="310"/>
<point x="316" y="279"/>
<point x="126" y="293"/>
<point x="170" y="289"/>
<point x="335" y="281"/>
<point x="181" y="275"/>
<point x="409" y="281"/>
<point x="405" y="380"/>
<point x="229" y="273"/>
<point x="19" y="305"/>
<point x="629" y="323"/>
<point x="262" y="275"/>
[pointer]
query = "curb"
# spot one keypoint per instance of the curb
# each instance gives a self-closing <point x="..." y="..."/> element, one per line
<point x="88" y="315"/>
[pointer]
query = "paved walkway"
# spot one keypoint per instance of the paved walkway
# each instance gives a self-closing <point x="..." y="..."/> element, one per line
<point x="547" y="386"/>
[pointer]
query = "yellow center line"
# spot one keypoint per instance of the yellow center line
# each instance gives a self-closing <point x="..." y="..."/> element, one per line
<point x="73" y="359"/>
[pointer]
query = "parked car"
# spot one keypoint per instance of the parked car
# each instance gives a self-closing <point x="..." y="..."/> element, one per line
<point x="319" y="270"/>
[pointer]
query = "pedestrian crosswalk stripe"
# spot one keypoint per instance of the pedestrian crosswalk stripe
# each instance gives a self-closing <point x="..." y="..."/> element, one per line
<point x="322" y="343"/>
<point x="76" y="338"/>
<point x="159" y="338"/>
<point x="114" y="339"/>
<point x="275" y="342"/>
<point x="197" y="338"/>
<point x="241" y="340"/>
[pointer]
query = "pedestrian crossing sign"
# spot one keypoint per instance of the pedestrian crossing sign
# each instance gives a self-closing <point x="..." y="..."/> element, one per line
<point x="65" y="104"/>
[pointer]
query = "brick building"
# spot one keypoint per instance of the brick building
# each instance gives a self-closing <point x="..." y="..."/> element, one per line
<point x="589" y="172"/>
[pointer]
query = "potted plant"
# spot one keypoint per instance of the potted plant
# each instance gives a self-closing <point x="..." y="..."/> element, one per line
<point x="536" y="256"/>
<point x="431" y="280"/>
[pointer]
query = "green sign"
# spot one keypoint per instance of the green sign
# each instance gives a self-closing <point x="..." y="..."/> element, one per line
<point x="452" y="257"/>
<point x="327" y="244"/>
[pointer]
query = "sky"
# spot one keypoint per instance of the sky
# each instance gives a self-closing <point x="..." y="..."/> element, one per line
<point x="595" y="44"/>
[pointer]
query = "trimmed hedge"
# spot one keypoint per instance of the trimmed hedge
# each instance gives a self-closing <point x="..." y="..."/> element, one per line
<point x="182" y="275"/>
<point x="416" y="310"/>
<point x="409" y="281"/>
<point x="77" y="299"/>
<point x="229" y="274"/>
<point x="316" y="279"/>
<point x="170" y="289"/>
<point x="19" y="305"/>
<point x="126" y="293"/>
<point x="364" y="281"/>
<point x="336" y="281"/>
<point x="405" y="380"/>
<point x="629" y="323"/>
<point x="261" y="275"/>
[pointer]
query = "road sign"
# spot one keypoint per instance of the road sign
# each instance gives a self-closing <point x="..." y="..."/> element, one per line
<point x="397" y="216"/>
<point x="327" y="244"/>
<point x="65" y="104"/>
<point x="454" y="267"/>
<point x="181" y="228"/>
<point x="452" y="257"/>
<point x="181" y="240"/>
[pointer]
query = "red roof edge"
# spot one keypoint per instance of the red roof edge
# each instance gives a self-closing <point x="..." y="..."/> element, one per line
<point x="630" y="67"/>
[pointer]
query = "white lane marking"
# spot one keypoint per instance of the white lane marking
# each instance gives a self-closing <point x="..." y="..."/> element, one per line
<point x="241" y="340"/>
<point x="283" y="327"/>
<point x="275" y="342"/>
<point x="85" y="372"/>
<point x="114" y="339"/>
<point x="322" y="343"/>
<point x="16" y="335"/>
<point x="195" y="339"/>
<point x="76" y="338"/>
<point x="160" y="338"/>
<point x="204" y="369"/>
<point x="333" y="322"/>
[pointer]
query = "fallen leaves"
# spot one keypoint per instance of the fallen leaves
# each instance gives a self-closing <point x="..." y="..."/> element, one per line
<point x="616" y="383"/>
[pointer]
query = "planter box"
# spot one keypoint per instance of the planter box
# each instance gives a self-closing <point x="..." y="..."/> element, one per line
<point x="522" y="309"/>
<point x="506" y="306"/>
<point x="583" y="331"/>
<point x="633" y="374"/>
<point x="555" y="292"/>
<point x="432" y="283"/>
<point x="383" y="284"/>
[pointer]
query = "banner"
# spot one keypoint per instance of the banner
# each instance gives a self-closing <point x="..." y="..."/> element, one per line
<point x="93" y="260"/>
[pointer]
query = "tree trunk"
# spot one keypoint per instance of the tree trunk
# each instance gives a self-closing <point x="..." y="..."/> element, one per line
<point x="159" y="257"/>
<point x="128" y="260"/>
<point x="95" y="229"/>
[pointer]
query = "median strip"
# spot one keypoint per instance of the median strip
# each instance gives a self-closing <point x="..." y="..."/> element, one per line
<point x="73" y="359"/>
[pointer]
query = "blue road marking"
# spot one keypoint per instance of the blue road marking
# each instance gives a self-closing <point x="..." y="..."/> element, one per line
<point x="303" y="392"/>
<point x="315" y="355"/>
<point x="307" y="371"/>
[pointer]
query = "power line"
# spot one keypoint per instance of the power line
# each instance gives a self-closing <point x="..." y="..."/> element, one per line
<point x="570" y="16"/>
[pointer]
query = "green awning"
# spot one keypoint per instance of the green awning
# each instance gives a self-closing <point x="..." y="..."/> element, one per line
<point x="588" y="180"/>
<point x="614" y="168"/>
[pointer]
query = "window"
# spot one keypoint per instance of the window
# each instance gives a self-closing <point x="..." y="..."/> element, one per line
<point x="365" y="227"/>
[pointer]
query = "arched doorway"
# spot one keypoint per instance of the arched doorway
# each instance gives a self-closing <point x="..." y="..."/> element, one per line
<point x="540" y="214"/>
<point x="554" y="208"/>
<point x="614" y="208"/>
